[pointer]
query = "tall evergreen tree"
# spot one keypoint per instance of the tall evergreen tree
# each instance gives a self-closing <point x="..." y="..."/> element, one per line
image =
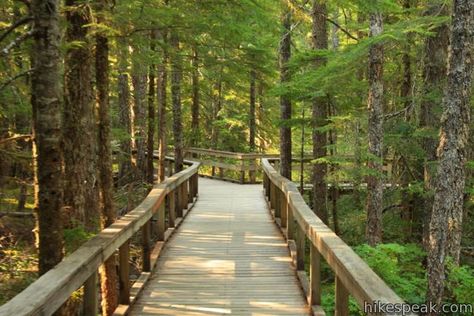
<point x="108" y="271"/>
<point x="374" y="227"/>
<point x="446" y="218"/>
<point x="285" y="101"/>
<point x="319" y="38"/>
<point x="176" y="75"/>
<point x="80" y="143"/>
<point x="47" y="131"/>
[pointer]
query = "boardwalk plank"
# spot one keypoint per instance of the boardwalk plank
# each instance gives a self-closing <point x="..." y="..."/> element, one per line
<point x="227" y="258"/>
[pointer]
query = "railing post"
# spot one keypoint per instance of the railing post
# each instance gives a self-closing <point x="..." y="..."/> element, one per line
<point x="283" y="209"/>
<point x="124" y="270"/>
<point x="242" y="171"/>
<point x="252" y="171"/>
<point x="185" y="195"/>
<point x="272" y="195"/>
<point x="160" y="224"/>
<point x="221" y="172"/>
<point x="146" y="236"/>
<point x="300" y="246"/>
<point x="315" y="277"/>
<point x="191" y="190"/>
<point x="178" y="201"/>
<point x="267" y="185"/>
<point x="342" y="299"/>
<point x="278" y="195"/>
<point x="196" y="186"/>
<point x="290" y="224"/>
<point x="172" y="208"/>
<point x="91" y="296"/>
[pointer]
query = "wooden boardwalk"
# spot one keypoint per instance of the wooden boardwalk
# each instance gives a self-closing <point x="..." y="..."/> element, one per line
<point x="227" y="258"/>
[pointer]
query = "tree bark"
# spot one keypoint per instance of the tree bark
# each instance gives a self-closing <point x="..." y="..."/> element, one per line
<point x="319" y="114"/>
<point x="162" y="103"/>
<point x="406" y="96"/>
<point x="195" y="135"/>
<point x="125" y="162"/>
<point x="47" y="131"/>
<point x="374" y="229"/>
<point x="108" y="271"/>
<point x="434" y="74"/>
<point x="139" y="81"/>
<point x="80" y="145"/>
<point x="176" y="74"/>
<point x="252" y="113"/>
<point x="151" y="116"/>
<point x="446" y="218"/>
<point x="285" y="101"/>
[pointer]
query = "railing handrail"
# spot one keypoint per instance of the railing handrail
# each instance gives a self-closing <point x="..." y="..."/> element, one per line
<point x="355" y="275"/>
<point x="51" y="290"/>
<point x="229" y="154"/>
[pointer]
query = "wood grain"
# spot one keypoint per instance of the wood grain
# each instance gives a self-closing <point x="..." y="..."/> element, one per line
<point x="228" y="257"/>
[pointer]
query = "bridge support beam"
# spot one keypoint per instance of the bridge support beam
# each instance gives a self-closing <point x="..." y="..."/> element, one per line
<point x="160" y="224"/>
<point x="91" y="296"/>
<point x="315" y="277"/>
<point x="171" y="209"/>
<point x="124" y="273"/>
<point x="146" y="251"/>
<point x="342" y="299"/>
<point x="300" y="246"/>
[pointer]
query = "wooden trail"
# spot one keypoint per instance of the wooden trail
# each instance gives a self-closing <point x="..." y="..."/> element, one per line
<point x="228" y="257"/>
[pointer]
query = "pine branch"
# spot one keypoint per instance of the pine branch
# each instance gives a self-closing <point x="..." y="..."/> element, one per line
<point x="25" y="137"/>
<point x="307" y="12"/>
<point x="9" y="81"/>
<point x="16" y="42"/>
<point x="20" y="22"/>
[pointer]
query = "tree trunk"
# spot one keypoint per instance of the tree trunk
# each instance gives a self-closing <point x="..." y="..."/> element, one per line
<point x="434" y="74"/>
<point x="446" y="219"/>
<point x="374" y="229"/>
<point x="285" y="101"/>
<point x="139" y="80"/>
<point x="216" y="108"/>
<point x="406" y="96"/>
<point x="261" y="115"/>
<point x="47" y="128"/>
<point x="80" y="147"/>
<point x="108" y="271"/>
<point x="162" y="103"/>
<point x="150" y="170"/>
<point x="319" y="114"/>
<point x="195" y="133"/>
<point x="176" y="74"/>
<point x="252" y="114"/>
<point x="335" y="187"/>
<point x="125" y="162"/>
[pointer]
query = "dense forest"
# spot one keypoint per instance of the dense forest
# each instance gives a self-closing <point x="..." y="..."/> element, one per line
<point x="373" y="96"/>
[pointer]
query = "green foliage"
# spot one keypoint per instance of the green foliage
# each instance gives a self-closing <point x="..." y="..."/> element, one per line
<point x="400" y="266"/>
<point x="75" y="237"/>
<point x="460" y="283"/>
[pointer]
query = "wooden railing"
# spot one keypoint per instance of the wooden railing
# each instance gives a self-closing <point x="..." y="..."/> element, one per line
<point x="79" y="269"/>
<point x="353" y="277"/>
<point x="227" y="165"/>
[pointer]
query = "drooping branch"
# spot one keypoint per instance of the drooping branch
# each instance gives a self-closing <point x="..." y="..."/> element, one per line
<point x="11" y="28"/>
<point x="307" y="12"/>
<point x="9" y="81"/>
<point x="17" y="41"/>
<point x="25" y="137"/>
